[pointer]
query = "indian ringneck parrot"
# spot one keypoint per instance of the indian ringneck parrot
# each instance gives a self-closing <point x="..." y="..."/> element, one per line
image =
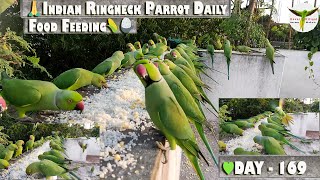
<point x="145" y="48"/>
<point x="83" y="146"/>
<point x="243" y="124"/>
<point x="252" y="120"/>
<point x="187" y="81"/>
<point x="151" y="44"/>
<point x="303" y="14"/>
<point x="222" y="146"/>
<point x="187" y="103"/>
<point x="185" y="56"/>
<point x="191" y="43"/>
<point x="55" y="153"/>
<point x="110" y="65"/>
<point x="48" y="168"/>
<point x="7" y="153"/>
<point x="189" y="51"/>
<point x="231" y="129"/>
<point x="166" y="113"/>
<point x="158" y="50"/>
<point x="130" y="47"/>
<point x="20" y="144"/>
<point x="210" y="49"/>
<point x="265" y="131"/>
<point x="274" y="120"/>
<point x="128" y="59"/>
<point x="3" y="105"/>
<point x="137" y="45"/>
<point x="34" y="95"/>
<point x="55" y="159"/>
<point x="270" y="54"/>
<point x="4" y="164"/>
<point x="56" y="146"/>
<point x="30" y="143"/>
<point x="5" y="4"/>
<point x="227" y="52"/>
<point x="270" y="145"/>
<point x="194" y="77"/>
<point x="76" y="78"/>
<point x="178" y="59"/>
<point x="241" y="151"/>
<point x="244" y="49"/>
<point x="282" y="130"/>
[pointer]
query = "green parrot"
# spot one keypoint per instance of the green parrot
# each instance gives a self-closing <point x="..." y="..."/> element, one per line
<point x="187" y="81"/>
<point x="265" y="131"/>
<point x="108" y="66"/>
<point x="158" y="50"/>
<point x="241" y="151"/>
<point x="18" y="152"/>
<point x="130" y="47"/>
<point x="30" y="143"/>
<point x="34" y="95"/>
<point x="186" y="57"/>
<point x="83" y="146"/>
<point x="210" y="49"/>
<point x="4" y="164"/>
<point x="243" y="124"/>
<point x="244" y="49"/>
<point x="194" y="77"/>
<point x="129" y="59"/>
<point x="270" y="54"/>
<point x="56" y="146"/>
<point x="270" y="145"/>
<point x="7" y="154"/>
<point x="303" y="14"/>
<point x="252" y="120"/>
<point x="137" y="45"/>
<point x="187" y="103"/>
<point x="47" y="168"/>
<point x="76" y="78"/>
<point x="227" y="52"/>
<point x="5" y="4"/>
<point x="282" y="130"/>
<point x="145" y="48"/>
<point x="189" y="51"/>
<point x="166" y="113"/>
<point x="55" y="159"/>
<point x="231" y="129"/>
<point x="222" y="146"/>
<point x="178" y="59"/>
<point x="151" y="44"/>
<point x="55" y="153"/>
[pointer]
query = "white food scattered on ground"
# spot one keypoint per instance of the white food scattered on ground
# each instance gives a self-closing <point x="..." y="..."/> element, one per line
<point x="18" y="169"/>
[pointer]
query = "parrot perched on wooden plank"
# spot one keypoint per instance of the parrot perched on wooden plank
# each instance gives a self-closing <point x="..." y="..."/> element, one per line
<point x="34" y="95"/>
<point x="270" y="145"/>
<point x="187" y="103"/>
<point x="270" y="54"/>
<point x="7" y="154"/>
<point x="111" y="64"/>
<point x="303" y="14"/>
<point x="231" y="129"/>
<point x="244" y="49"/>
<point x="187" y="81"/>
<point x="30" y="143"/>
<point x="18" y="152"/>
<point x="4" y="164"/>
<point x="227" y="52"/>
<point x="76" y="78"/>
<point x="48" y="168"/>
<point x="5" y="4"/>
<point x="166" y="113"/>
<point x="241" y="151"/>
<point x="265" y="131"/>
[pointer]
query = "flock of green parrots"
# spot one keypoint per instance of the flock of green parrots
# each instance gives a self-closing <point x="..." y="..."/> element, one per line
<point x="273" y="133"/>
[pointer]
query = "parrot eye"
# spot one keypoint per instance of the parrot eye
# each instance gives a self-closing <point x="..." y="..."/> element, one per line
<point x="69" y="100"/>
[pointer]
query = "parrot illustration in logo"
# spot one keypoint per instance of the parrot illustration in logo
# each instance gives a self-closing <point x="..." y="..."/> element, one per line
<point x="303" y="14"/>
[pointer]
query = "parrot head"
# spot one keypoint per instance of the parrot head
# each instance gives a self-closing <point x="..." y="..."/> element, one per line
<point x="163" y="67"/>
<point x="99" y="81"/>
<point x="31" y="137"/>
<point x="42" y="156"/>
<point x="3" y="105"/>
<point x="33" y="168"/>
<point x="131" y="47"/>
<point x="137" y="45"/>
<point x="12" y="147"/>
<point x="175" y="54"/>
<point x="151" y="42"/>
<point x="145" y="45"/>
<point x="4" y="163"/>
<point x="258" y="139"/>
<point x="170" y="64"/>
<point x="261" y="127"/>
<point x="69" y="100"/>
<point x="147" y="72"/>
<point x="238" y="150"/>
<point x="20" y="143"/>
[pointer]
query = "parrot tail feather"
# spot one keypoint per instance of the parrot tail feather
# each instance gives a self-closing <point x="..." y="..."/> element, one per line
<point x="294" y="147"/>
<point x="194" y="161"/>
<point x="292" y="135"/>
<point x="272" y="67"/>
<point x="212" y="60"/>
<point x="205" y="141"/>
<point x="228" y="64"/>
<point x="202" y="71"/>
<point x="74" y="175"/>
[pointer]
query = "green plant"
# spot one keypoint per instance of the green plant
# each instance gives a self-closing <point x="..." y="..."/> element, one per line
<point x="4" y="138"/>
<point x="223" y="114"/>
<point x="16" y="53"/>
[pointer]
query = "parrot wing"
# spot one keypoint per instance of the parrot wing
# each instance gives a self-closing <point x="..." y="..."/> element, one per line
<point x="20" y="94"/>
<point x="297" y="13"/>
<point x="67" y="79"/>
<point x="312" y="11"/>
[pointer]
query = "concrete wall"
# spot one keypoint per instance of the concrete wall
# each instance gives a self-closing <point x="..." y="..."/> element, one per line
<point x="296" y="83"/>
<point x="304" y="122"/>
<point x="250" y="76"/>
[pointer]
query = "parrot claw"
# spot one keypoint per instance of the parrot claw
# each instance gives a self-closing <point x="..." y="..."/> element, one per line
<point x="105" y="86"/>
<point x="163" y="150"/>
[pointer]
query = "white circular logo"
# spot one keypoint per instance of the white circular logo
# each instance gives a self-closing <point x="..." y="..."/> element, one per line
<point x="303" y="17"/>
